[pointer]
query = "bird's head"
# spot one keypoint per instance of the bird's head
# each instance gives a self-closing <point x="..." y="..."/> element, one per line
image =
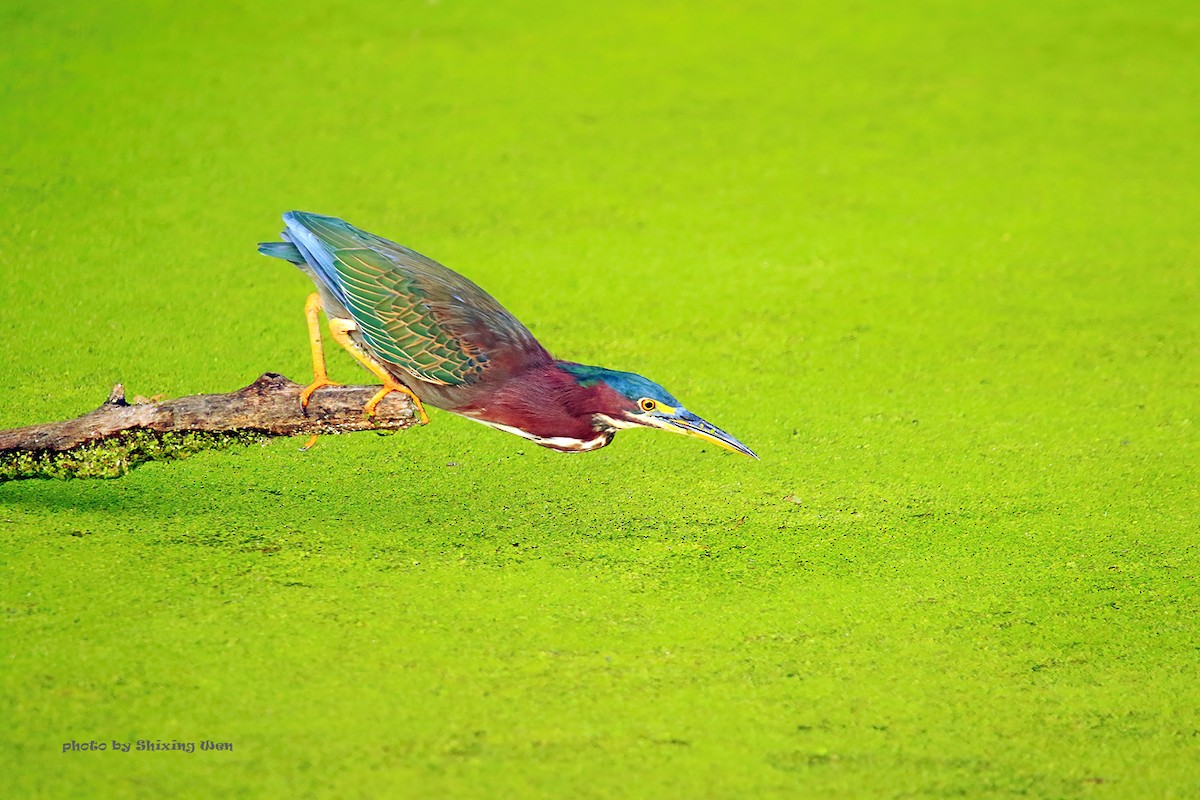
<point x="633" y="401"/>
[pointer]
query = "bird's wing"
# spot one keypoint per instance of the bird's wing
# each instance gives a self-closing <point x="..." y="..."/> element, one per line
<point x="413" y="312"/>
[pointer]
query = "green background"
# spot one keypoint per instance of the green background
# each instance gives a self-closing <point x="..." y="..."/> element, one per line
<point x="935" y="261"/>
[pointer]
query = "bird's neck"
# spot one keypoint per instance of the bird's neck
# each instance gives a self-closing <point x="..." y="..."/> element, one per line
<point x="552" y="405"/>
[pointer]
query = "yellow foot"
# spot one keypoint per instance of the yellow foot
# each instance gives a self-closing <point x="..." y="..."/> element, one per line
<point x="312" y="387"/>
<point x="311" y="441"/>
<point x="369" y="408"/>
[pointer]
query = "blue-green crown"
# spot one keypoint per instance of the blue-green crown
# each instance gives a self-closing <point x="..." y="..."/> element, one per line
<point x="628" y="384"/>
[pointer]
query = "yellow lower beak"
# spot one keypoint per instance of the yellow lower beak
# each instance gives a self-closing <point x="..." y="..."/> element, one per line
<point x="689" y="424"/>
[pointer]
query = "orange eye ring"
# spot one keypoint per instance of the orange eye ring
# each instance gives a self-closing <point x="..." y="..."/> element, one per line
<point x="647" y="404"/>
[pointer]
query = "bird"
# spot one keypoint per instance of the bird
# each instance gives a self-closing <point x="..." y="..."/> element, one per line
<point x="435" y="336"/>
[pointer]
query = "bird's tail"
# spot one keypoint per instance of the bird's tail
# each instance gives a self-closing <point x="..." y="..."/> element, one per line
<point x="285" y="250"/>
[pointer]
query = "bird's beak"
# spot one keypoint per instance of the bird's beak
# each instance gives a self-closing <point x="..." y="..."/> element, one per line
<point x="686" y="422"/>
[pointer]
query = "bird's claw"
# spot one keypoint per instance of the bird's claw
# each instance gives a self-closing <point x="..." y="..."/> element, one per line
<point x="373" y="403"/>
<point x="307" y="394"/>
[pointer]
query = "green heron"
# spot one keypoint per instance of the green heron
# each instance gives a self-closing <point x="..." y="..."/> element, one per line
<point x="432" y="334"/>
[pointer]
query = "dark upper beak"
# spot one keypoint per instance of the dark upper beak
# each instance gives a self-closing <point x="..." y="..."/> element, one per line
<point x="688" y="423"/>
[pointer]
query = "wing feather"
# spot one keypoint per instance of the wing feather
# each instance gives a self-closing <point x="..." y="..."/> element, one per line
<point x="413" y="312"/>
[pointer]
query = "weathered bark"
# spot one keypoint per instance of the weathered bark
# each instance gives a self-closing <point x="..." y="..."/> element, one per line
<point x="118" y="436"/>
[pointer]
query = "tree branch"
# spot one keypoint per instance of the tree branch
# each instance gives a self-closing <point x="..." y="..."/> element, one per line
<point x="118" y="436"/>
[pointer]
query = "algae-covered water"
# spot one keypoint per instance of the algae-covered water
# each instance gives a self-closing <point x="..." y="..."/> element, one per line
<point x="937" y="263"/>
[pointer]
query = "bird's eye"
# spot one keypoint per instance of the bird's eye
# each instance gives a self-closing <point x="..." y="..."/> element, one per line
<point x="647" y="404"/>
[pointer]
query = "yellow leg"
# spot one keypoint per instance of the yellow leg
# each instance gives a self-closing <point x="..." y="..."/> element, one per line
<point x="312" y="307"/>
<point x="341" y="333"/>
